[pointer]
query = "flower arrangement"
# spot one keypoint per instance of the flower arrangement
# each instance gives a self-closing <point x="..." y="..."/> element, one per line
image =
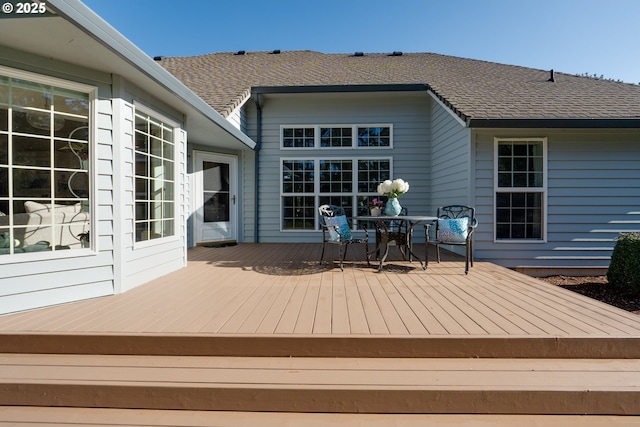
<point x="393" y="189"/>
<point x="376" y="203"/>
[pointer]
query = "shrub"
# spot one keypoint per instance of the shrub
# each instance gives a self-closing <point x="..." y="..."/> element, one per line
<point x="624" y="270"/>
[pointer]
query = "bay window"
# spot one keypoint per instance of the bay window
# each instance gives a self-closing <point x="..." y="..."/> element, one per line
<point x="45" y="151"/>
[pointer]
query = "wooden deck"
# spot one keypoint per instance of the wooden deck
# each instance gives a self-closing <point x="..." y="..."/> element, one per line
<point x="265" y="328"/>
<point x="269" y="291"/>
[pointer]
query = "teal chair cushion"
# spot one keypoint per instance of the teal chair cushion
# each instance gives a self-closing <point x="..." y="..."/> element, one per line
<point x="338" y="226"/>
<point x="453" y="230"/>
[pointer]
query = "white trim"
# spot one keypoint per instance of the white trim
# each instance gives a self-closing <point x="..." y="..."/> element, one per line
<point x="92" y="95"/>
<point x="47" y="80"/>
<point x="354" y="136"/>
<point x="543" y="189"/>
<point x="447" y="109"/>
<point x="176" y="128"/>
<point x="233" y="161"/>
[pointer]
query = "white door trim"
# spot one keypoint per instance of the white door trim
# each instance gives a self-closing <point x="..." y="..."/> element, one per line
<point x="198" y="158"/>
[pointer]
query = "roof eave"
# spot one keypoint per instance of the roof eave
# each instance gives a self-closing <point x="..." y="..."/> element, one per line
<point x="606" y="123"/>
<point x="409" y="87"/>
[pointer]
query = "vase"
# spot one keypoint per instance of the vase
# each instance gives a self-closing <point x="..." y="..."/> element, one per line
<point x="376" y="211"/>
<point x="392" y="207"/>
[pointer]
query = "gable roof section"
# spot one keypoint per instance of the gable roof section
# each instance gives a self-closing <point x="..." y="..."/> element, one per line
<point x="481" y="93"/>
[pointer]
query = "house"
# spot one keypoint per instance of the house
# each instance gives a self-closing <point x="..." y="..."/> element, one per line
<point x="112" y="163"/>
<point x="551" y="161"/>
<point x="95" y="188"/>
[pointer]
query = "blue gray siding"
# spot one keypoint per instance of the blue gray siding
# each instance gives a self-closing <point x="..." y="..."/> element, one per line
<point x="407" y="113"/>
<point x="451" y="166"/>
<point x="593" y="195"/>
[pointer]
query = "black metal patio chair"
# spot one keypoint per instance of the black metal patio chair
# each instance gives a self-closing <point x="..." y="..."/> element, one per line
<point x="336" y="230"/>
<point x="455" y="226"/>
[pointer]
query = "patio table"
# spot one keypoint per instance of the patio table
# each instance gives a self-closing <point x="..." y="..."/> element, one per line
<point x="389" y="238"/>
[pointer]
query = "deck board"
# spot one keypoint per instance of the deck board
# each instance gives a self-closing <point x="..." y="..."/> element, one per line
<point x="68" y="417"/>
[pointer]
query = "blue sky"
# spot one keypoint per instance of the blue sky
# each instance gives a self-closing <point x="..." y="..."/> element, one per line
<point x="598" y="37"/>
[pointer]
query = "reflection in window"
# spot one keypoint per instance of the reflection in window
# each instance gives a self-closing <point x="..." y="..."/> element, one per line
<point x="154" y="178"/>
<point x="374" y="136"/>
<point x="336" y="137"/>
<point x="44" y="167"/>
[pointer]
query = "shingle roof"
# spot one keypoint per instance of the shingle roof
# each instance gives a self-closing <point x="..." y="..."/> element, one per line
<point x="474" y="89"/>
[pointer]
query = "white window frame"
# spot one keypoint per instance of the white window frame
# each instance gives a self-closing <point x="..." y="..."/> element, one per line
<point x="543" y="189"/>
<point x="316" y="187"/>
<point x="175" y="127"/>
<point x="92" y="94"/>
<point x="354" y="136"/>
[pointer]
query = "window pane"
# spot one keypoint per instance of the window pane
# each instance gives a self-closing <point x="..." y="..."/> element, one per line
<point x="504" y="164"/>
<point x="168" y="149"/>
<point x="141" y="142"/>
<point x="4" y="185"/>
<point x="31" y="122"/>
<point x="298" y="213"/>
<point x="535" y="180"/>
<point x="519" y="164"/>
<point x="31" y="151"/>
<point x="29" y="94"/>
<point x="520" y="179"/>
<point x="71" y="155"/>
<point x="298" y="137"/>
<point x="336" y="176"/>
<point x="156" y="146"/>
<point x="374" y="137"/>
<point x="371" y="173"/>
<point x="336" y="137"/>
<point x="141" y="231"/>
<point x="505" y="149"/>
<point x="71" y="184"/>
<point x="520" y="150"/>
<point x="297" y="176"/>
<point x="30" y="183"/>
<point x="4" y="91"/>
<point x="505" y="180"/>
<point x="4" y="119"/>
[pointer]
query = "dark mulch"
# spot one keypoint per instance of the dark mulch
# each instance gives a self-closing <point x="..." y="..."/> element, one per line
<point x="598" y="288"/>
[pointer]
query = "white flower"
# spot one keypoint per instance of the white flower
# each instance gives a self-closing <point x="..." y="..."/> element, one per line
<point x="395" y="188"/>
<point x="399" y="186"/>
<point x="385" y="187"/>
